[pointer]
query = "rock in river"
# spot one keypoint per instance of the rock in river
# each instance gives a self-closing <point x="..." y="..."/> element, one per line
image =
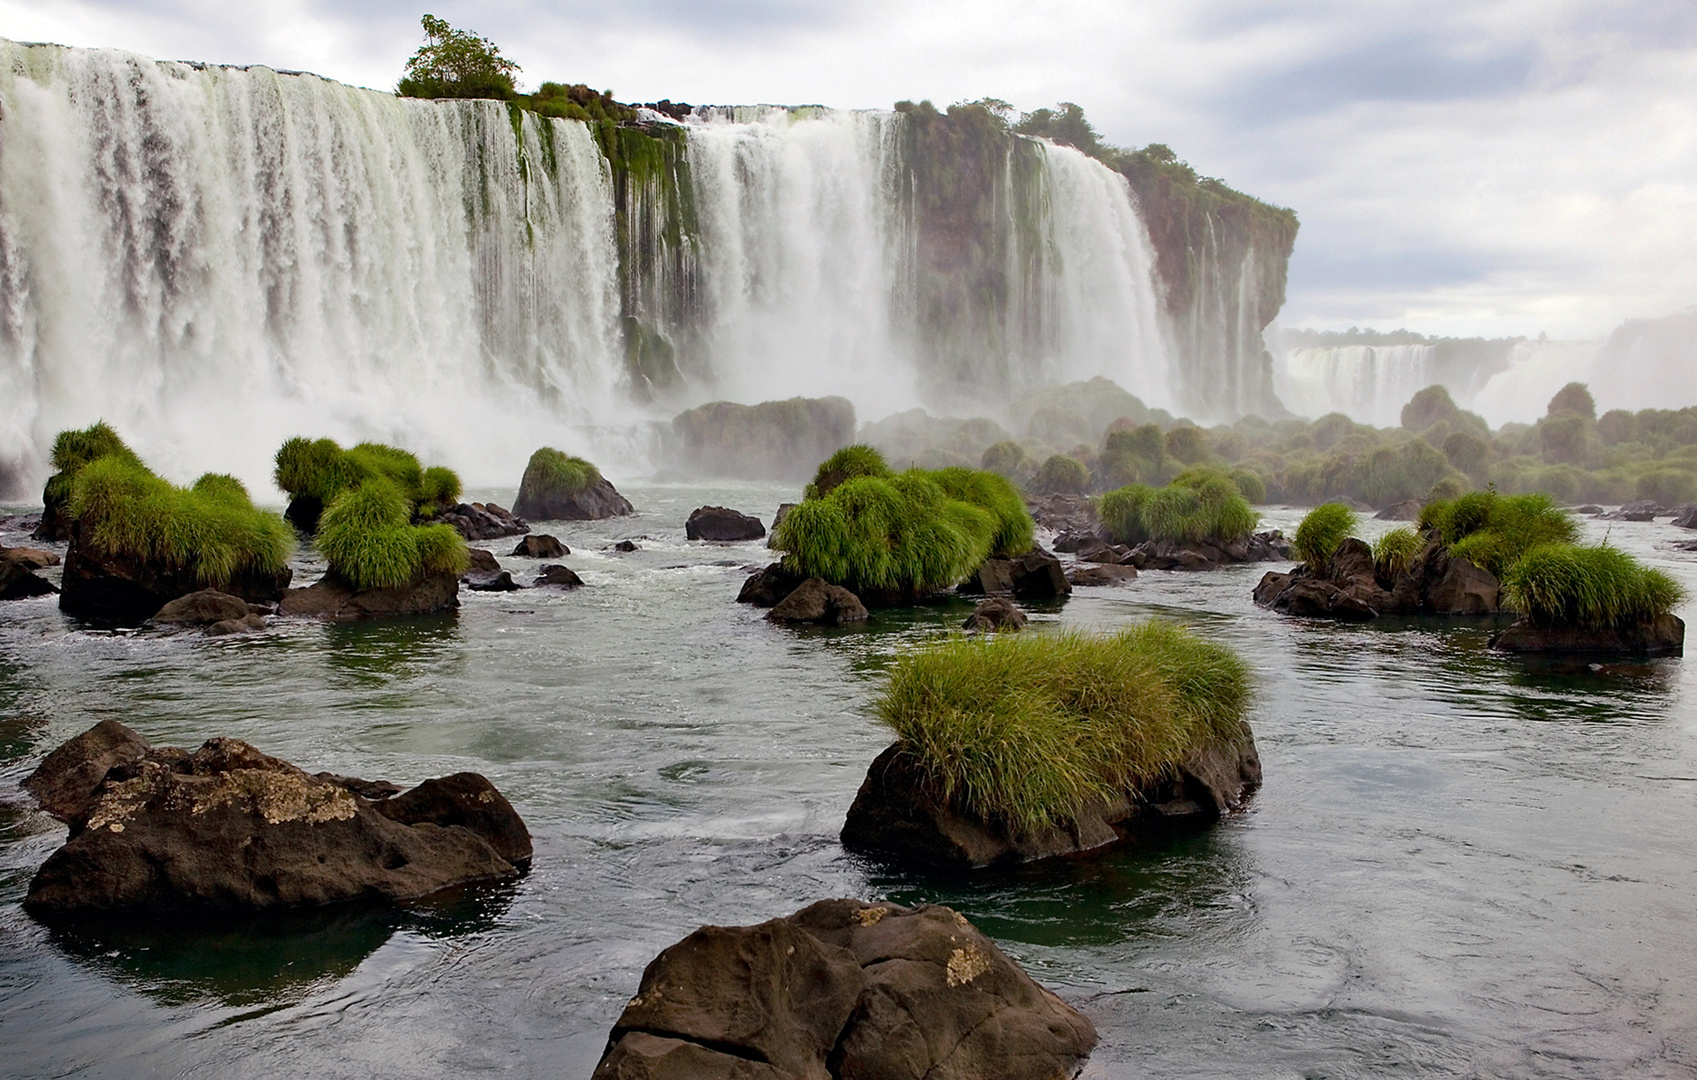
<point x="723" y="524"/>
<point x="814" y="601"/>
<point x="332" y="598"/>
<point x="229" y="828"/>
<point x="541" y="547"/>
<point x="844" y="990"/>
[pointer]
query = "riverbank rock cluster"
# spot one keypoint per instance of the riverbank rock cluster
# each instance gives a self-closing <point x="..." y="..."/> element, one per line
<point x="227" y="828"/>
<point x="897" y="813"/>
<point x="1348" y="586"/>
<point x="484" y="521"/>
<point x="844" y="990"/>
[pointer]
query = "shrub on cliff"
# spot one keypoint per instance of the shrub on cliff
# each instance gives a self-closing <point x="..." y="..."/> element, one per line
<point x="368" y="539"/>
<point x="1596" y="588"/>
<point x="211" y="530"/>
<point x="456" y="64"/>
<point x="1321" y="531"/>
<point x="1029" y="730"/>
<point x="913" y="532"/>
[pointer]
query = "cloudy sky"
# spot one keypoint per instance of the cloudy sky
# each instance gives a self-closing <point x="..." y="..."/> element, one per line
<point x="1460" y="166"/>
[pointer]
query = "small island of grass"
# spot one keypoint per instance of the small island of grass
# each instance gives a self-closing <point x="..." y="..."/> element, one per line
<point x="560" y="487"/>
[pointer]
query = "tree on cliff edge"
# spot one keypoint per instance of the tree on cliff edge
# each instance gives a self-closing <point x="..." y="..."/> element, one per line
<point x="457" y="64"/>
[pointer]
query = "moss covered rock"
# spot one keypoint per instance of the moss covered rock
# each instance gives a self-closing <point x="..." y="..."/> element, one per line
<point x="560" y="487"/>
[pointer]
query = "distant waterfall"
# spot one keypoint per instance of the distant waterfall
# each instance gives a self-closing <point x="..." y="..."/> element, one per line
<point x="214" y="259"/>
<point x="1368" y="383"/>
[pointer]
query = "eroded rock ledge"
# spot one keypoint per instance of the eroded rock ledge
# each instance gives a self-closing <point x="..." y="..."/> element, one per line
<point x="844" y="990"/>
<point x="229" y="828"/>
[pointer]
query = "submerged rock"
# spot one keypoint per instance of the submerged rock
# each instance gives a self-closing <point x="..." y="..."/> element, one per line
<point x="599" y="500"/>
<point x="1663" y="636"/>
<point x="1101" y="575"/>
<point x="844" y="989"/>
<point x="202" y="608"/>
<point x="560" y="576"/>
<point x="997" y="613"/>
<point x="501" y="581"/>
<point x="814" y="601"/>
<point x="332" y="598"/>
<point x="229" y="828"/>
<point x="484" y="521"/>
<point x="897" y="813"/>
<point x="541" y="547"/>
<point x="721" y="523"/>
<point x="626" y="546"/>
<point x="127" y="591"/>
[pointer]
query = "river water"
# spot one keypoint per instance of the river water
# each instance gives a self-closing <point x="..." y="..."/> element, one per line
<point x="1460" y="864"/>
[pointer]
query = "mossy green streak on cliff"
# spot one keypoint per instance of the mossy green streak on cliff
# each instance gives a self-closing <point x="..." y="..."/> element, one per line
<point x="659" y="241"/>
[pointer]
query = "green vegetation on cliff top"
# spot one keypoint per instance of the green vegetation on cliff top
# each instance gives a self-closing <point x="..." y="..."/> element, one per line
<point x="1027" y="731"/>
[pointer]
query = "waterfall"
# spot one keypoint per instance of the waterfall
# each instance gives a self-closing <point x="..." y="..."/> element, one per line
<point x="1368" y="383"/>
<point x="214" y="259"/>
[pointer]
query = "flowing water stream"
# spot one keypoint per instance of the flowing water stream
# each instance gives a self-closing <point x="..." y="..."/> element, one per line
<point x="1461" y="864"/>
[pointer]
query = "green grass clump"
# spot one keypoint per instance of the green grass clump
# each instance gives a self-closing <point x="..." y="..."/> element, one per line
<point x="1321" y="531"/>
<point x="367" y="537"/>
<point x="73" y="449"/>
<point x="1121" y="510"/>
<point x="994" y="493"/>
<point x="321" y="469"/>
<point x="1492" y="531"/>
<point x="439" y="486"/>
<point x="1591" y="587"/>
<point x="1029" y="731"/>
<point x="846" y="464"/>
<point x="551" y="471"/>
<point x="1003" y="458"/>
<point x="1201" y="504"/>
<point x="1060" y="475"/>
<point x="1396" y="550"/>
<point x="210" y="530"/>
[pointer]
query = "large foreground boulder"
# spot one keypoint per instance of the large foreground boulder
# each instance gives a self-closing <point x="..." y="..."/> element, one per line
<point x="1663" y="636"/>
<point x="897" y="813"/>
<point x="484" y="521"/>
<point x="723" y="524"/>
<point x="844" y="990"/>
<point x="1036" y="575"/>
<point x="227" y="828"/>
<point x="333" y="598"/>
<point x="126" y="591"/>
<point x="599" y="500"/>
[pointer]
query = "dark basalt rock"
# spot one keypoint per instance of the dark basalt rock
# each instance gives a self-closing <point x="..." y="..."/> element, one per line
<point x="626" y="546"/>
<point x="997" y="613"/>
<point x="1407" y="510"/>
<point x="1266" y="546"/>
<point x="1636" y="510"/>
<point x="501" y="581"/>
<point x="896" y="813"/>
<point x="777" y="520"/>
<point x="484" y="521"/>
<point x="1588" y="508"/>
<point x="1096" y="550"/>
<point x="848" y="990"/>
<point x="55" y="523"/>
<point x="1064" y="513"/>
<point x="599" y="500"/>
<point x="1101" y="575"/>
<point x="814" y="601"/>
<point x="482" y="562"/>
<point x="1685" y="516"/>
<point x="30" y="558"/>
<point x="721" y="523"/>
<point x="1036" y="575"/>
<point x="19" y="582"/>
<point x="541" y="547"/>
<point x="1071" y="541"/>
<point x="764" y="588"/>
<point x="332" y="598"/>
<point x="1664" y="636"/>
<point x="127" y="591"/>
<point x="560" y="576"/>
<point x="1349" y="587"/>
<point x="229" y="828"/>
<point x="247" y="624"/>
<point x="202" y="608"/>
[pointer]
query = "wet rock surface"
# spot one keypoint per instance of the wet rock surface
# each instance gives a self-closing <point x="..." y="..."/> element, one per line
<point x="1269" y="546"/>
<point x="1350" y="588"/>
<point x="1407" y="510"/>
<point x="897" y="814"/>
<point x="815" y="601"/>
<point x="1097" y="576"/>
<point x="1685" y="517"/>
<point x="844" y="990"/>
<point x="228" y="828"/>
<point x="332" y="598"/>
<point x="1064" y="513"/>
<point x="997" y="613"/>
<point x="1036" y="575"/>
<point x="559" y="577"/>
<point x="721" y="523"/>
<point x="127" y="591"/>
<point x="484" y="521"/>
<point x="766" y="586"/>
<point x="1636" y="510"/>
<point x="541" y="547"/>
<point x="1663" y="636"/>
<point x="19" y="581"/>
<point x="599" y="500"/>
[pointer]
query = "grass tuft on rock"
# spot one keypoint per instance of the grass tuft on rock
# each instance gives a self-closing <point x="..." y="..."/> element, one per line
<point x="1493" y="531"/>
<point x="367" y="537"/>
<point x="552" y="471"/>
<point x="1596" y="588"/>
<point x="75" y="448"/>
<point x="913" y="532"/>
<point x="211" y="529"/>
<point x="1396" y="550"/>
<point x="1321" y="531"/>
<point x="1028" y="731"/>
<point x="846" y="464"/>
<point x="1201" y="504"/>
<point x="439" y="486"/>
<point x="321" y="469"/>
